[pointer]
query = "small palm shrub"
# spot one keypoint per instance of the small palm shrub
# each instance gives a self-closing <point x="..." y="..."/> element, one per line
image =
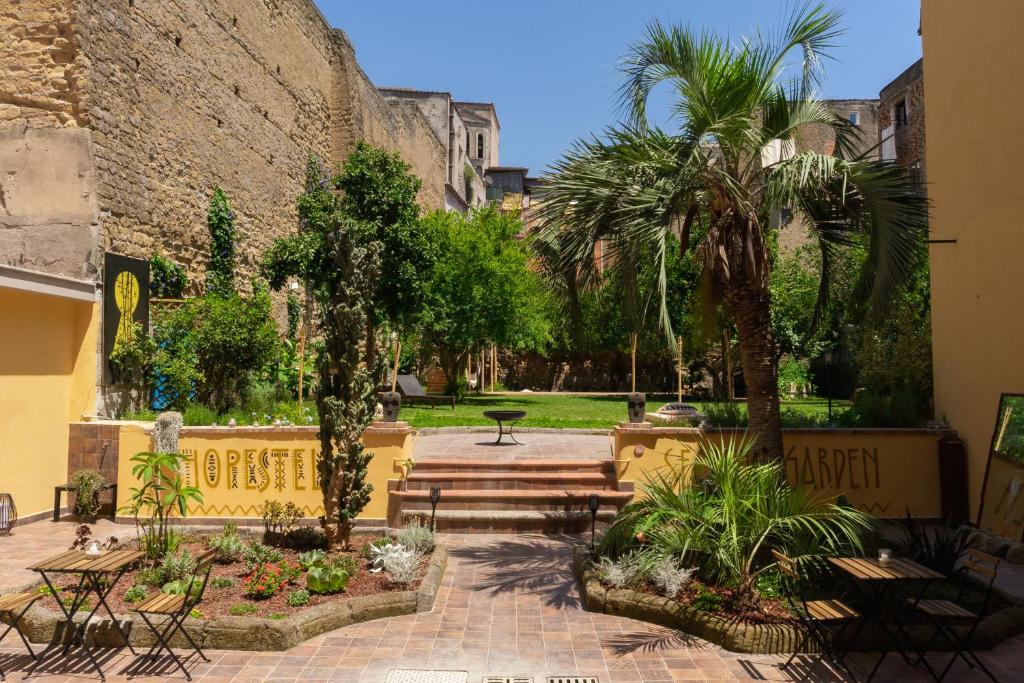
<point x="726" y="523"/>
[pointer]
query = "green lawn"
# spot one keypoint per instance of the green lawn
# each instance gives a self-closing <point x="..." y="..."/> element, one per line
<point x="586" y="412"/>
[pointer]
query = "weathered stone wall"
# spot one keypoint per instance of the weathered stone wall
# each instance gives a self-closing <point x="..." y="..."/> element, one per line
<point x="170" y="99"/>
<point x="909" y="139"/>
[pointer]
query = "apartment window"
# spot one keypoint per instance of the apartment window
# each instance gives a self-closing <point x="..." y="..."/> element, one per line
<point x="899" y="114"/>
<point x="467" y="140"/>
<point x="479" y="145"/>
<point x="854" y="118"/>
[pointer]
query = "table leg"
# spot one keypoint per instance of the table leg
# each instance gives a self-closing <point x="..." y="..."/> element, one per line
<point x="69" y="614"/>
<point x="501" y="433"/>
<point x="102" y="595"/>
<point x="510" y="434"/>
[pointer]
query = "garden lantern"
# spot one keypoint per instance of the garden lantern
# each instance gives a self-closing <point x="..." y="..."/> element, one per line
<point x="435" y="498"/>
<point x="8" y="513"/>
<point x="595" y="503"/>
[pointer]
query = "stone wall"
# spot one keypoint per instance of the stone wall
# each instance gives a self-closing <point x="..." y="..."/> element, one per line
<point x="908" y="140"/>
<point x="168" y="100"/>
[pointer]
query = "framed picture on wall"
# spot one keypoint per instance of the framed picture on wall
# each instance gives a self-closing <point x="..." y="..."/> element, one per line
<point x="1002" y="496"/>
<point x="125" y="302"/>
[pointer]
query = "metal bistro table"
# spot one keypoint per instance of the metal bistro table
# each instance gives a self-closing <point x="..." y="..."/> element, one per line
<point x="509" y="416"/>
<point x="879" y="587"/>
<point x="98" y="576"/>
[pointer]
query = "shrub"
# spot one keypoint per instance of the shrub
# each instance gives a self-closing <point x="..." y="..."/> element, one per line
<point x="280" y="518"/>
<point x="326" y="580"/>
<point x="87" y="485"/>
<point x="368" y="551"/>
<point x="416" y="536"/>
<point x="313" y="558"/>
<point x="706" y="601"/>
<point x="794" y="374"/>
<point x="264" y="581"/>
<point x="397" y="561"/>
<point x="167" y="280"/>
<point x="298" y="598"/>
<point x="222" y="582"/>
<point x="241" y="609"/>
<point x="670" y="578"/>
<point x="726" y="414"/>
<point x="220" y="220"/>
<point x="256" y="554"/>
<point x="305" y="537"/>
<point x="198" y="415"/>
<point x="213" y="347"/>
<point x="135" y="594"/>
<point x="228" y="544"/>
<point x="939" y="548"/>
<point x="622" y="572"/>
<point x="162" y="495"/>
<point x="348" y="563"/>
<point x="150" y="576"/>
<point x="725" y="522"/>
<point x="182" y="586"/>
<point x="177" y="566"/>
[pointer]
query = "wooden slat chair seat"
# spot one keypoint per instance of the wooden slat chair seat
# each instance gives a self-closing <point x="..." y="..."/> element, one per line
<point x="830" y="610"/>
<point x="979" y="567"/>
<point x="823" y="621"/>
<point x="947" y="609"/>
<point x="161" y="603"/>
<point x="175" y="608"/>
<point x="14" y="606"/>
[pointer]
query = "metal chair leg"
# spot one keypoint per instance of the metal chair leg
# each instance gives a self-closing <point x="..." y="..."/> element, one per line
<point x="163" y="645"/>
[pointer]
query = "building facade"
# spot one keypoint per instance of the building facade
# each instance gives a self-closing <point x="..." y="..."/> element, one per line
<point x="974" y="147"/>
<point x="901" y="120"/>
<point x="472" y="140"/>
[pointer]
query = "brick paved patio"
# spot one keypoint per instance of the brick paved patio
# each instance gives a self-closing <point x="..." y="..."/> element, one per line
<point x="478" y="443"/>
<point x="508" y="606"/>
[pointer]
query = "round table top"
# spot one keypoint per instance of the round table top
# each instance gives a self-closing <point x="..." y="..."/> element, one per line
<point x="503" y="415"/>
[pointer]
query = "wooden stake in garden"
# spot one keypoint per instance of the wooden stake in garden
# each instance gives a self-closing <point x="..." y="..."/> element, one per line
<point x="679" y="368"/>
<point x="632" y="353"/>
<point x="302" y="351"/>
<point x="394" y="371"/>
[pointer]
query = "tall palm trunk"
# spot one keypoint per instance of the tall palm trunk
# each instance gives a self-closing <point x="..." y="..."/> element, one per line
<point x="752" y="315"/>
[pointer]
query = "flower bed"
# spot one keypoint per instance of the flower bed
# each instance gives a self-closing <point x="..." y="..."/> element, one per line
<point x="233" y="615"/>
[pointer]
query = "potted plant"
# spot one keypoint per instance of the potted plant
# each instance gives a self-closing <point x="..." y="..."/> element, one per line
<point x="87" y="485"/>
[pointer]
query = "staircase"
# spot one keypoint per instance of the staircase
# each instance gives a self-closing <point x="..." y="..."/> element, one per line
<point x="486" y="496"/>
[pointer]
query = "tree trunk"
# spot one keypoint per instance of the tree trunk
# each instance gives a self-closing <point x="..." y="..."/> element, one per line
<point x="751" y="311"/>
<point x="371" y="343"/>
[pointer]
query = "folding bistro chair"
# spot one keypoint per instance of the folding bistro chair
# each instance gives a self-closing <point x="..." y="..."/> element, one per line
<point x="14" y="606"/>
<point x="175" y="608"/>
<point x="823" y="621"/>
<point x="949" y="615"/>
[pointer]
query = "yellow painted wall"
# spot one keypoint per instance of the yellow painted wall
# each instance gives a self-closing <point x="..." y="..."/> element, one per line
<point x="47" y="378"/>
<point x="879" y="471"/>
<point x="973" y="63"/>
<point x="238" y="468"/>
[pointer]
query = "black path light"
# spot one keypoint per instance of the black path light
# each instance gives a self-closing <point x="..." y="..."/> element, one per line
<point x="595" y="503"/>
<point x="435" y="498"/>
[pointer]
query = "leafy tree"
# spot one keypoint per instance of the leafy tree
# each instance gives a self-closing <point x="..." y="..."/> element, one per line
<point x="481" y="290"/>
<point x="214" y="346"/>
<point x="339" y="265"/>
<point x="379" y="191"/>
<point x="731" y="107"/>
<point x="220" y="274"/>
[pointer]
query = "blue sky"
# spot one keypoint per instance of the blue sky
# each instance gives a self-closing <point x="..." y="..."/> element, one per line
<point x="549" y="67"/>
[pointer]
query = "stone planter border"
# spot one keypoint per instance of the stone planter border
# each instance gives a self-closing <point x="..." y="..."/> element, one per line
<point x="261" y="633"/>
<point x="752" y="638"/>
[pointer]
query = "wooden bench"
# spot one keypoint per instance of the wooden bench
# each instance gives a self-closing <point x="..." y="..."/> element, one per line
<point x="62" y="488"/>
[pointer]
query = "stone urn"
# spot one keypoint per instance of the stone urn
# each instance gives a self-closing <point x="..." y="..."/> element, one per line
<point x="637" y="403"/>
<point x="392" y="401"/>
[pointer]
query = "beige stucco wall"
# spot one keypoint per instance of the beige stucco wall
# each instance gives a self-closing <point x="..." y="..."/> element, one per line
<point x="974" y="148"/>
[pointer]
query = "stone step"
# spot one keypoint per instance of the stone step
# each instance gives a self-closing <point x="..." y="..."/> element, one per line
<point x="510" y="521"/>
<point x="492" y="465"/>
<point x="423" y="481"/>
<point x="538" y="500"/>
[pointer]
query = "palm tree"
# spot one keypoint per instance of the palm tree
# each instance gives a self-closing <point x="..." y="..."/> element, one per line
<point x="714" y="178"/>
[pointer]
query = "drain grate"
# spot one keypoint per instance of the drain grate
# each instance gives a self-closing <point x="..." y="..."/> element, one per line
<point x="426" y="676"/>
<point x="508" y="679"/>
<point x="572" y="679"/>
